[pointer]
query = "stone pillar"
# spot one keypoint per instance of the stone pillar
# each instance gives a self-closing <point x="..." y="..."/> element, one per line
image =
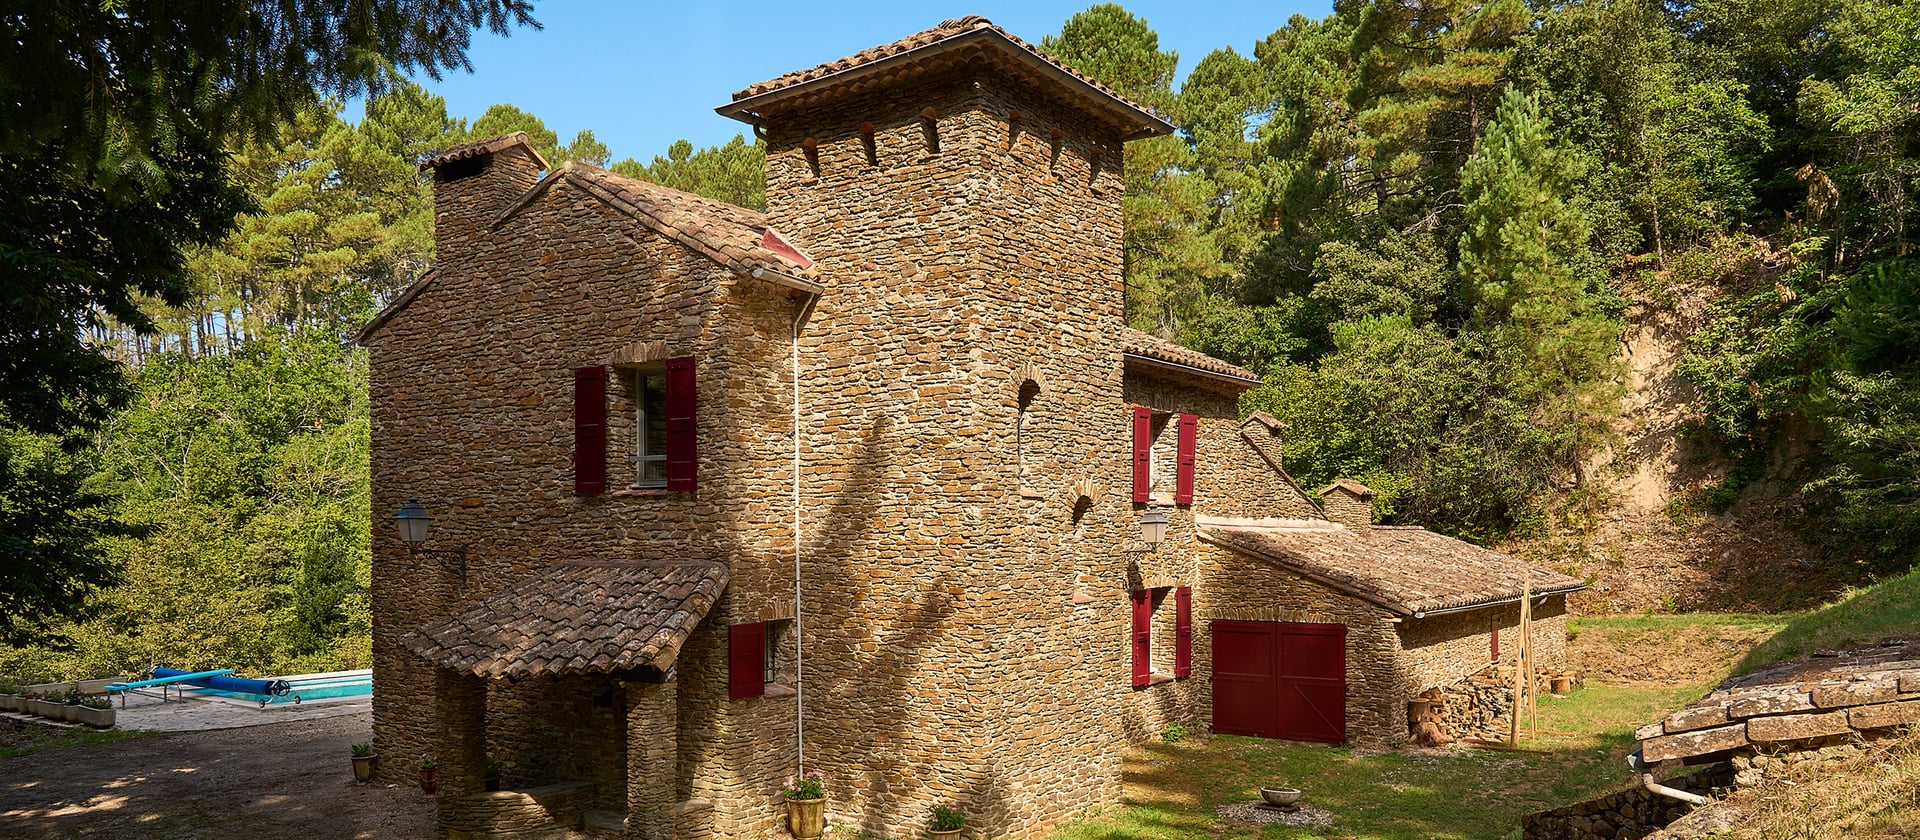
<point x="459" y="738"/>
<point x="653" y="747"/>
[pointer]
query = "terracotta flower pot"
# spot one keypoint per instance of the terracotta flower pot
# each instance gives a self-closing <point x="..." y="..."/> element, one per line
<point x="427" y="783"/>
<point x="363" y="767"/>
<point x="807" y="818"/>
<point x="946" y="834"/>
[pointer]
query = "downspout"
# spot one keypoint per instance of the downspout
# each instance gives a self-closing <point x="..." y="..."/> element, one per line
<point x="800" y="315"/>
<point x="1646" y="781"/>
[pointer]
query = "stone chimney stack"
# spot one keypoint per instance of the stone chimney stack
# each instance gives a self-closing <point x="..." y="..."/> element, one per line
<point x="472" y="184"/>
<point x="1349" y="503"/>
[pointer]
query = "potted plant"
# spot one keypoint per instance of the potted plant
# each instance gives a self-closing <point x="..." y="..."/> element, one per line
<point x="69" y="706"/>
<point x="807" y="805"/>
<point x="363" y="759"/>
<point x="492" y="779"/>
<point x="427" y="774"/>
<point x="947" y="822"/>
<point x="96" y="712"/>
<point x="9" y="697"/>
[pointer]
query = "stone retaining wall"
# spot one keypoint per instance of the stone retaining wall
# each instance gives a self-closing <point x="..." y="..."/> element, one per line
<point x="551" y="812"/>
<point x="1627" y="815"/>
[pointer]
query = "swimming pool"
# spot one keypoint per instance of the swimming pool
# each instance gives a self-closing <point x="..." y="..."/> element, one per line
<point x="302" y="688"/>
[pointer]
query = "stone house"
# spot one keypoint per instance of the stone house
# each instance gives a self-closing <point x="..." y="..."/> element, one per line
<point x="856" y="484"/>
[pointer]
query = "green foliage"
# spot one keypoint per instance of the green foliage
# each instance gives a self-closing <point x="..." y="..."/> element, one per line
<point x="52" y="548"/>
<point x="943" y="818"/>
<point x="734" y="173"/>
<point x="362" y="750"/>
<point x="1173" y="733"/>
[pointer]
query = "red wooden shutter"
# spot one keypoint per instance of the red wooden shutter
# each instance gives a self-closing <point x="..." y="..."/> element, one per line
<point x="746" y="660"/>
<point x="1494" y="644"/>
<point x="1142" y="453"/>
<point x="1183" y="631"/>
<point x="682" y="463"/>
<point x="1142" y="637"/>
<point x="589" y="431"/>
<point x="1183" y="476"/>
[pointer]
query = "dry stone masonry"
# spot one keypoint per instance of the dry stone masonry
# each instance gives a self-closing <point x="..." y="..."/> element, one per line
<point x="852" y="480"/>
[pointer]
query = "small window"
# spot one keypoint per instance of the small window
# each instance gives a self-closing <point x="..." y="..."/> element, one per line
<point x="1022" y="431"/>
<point x="649" y="456"/>
<point x="760" y="657"/>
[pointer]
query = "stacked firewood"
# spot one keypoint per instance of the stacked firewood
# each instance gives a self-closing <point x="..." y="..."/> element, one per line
<point x="1479" y="707"/>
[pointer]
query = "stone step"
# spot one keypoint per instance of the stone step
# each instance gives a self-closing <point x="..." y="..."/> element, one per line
<point x="604" y="823"/>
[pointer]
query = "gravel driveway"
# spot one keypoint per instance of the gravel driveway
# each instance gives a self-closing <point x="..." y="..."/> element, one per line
<point x="289" y="779"/>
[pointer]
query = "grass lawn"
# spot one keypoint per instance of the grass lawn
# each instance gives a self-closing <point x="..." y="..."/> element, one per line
<point x="1175" y="790"/>
<point x="1861" y="616"/>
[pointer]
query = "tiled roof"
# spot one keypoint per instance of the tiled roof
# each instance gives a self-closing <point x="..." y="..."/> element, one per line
<point x="483" y="147"/>
<point x="577" y="617"/>
<point x="735" y="237"/>
<point x="1406" y="570"/>
<point x="1349" y="485"/>
<point x="1152" y="348"/>
<point x="971" y="26"/>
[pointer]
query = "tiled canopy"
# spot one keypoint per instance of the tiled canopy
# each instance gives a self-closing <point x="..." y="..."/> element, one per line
<point x="578" y="617"/>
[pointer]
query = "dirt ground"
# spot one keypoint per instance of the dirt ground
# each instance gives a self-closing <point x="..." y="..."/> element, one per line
<point x="284" y="780"/>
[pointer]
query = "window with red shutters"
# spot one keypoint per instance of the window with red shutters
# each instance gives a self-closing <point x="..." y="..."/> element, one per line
<point x="1183" y="631"/>
<point x="589" y="431"/>
<point x="746" y="660"/>
<point x="1189" y="441"/>
<point x="1142" y="637"/>
<point x="682" y="457"/>
<point x="1142" y="453"/>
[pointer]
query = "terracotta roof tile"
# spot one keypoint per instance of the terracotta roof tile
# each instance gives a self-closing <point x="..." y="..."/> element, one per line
<point x="1406" y="570"/>
<point x="483" y="147"/>
<point x="734" y="237"/>
<point x="1349" y="485"/>
<point x="948" y="30"/>
<point x="577" y="617"/>
<point x="1152" y="348"/>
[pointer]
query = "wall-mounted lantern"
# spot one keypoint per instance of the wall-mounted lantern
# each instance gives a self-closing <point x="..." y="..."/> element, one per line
<point x="412" y="522"/>
<point x="1153" y="527"/>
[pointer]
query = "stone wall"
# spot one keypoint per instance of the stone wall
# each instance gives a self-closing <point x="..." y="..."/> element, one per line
<point x="1627" y="815"/>
<point x="1444" y="649"/>
<point x="551" y="812"/>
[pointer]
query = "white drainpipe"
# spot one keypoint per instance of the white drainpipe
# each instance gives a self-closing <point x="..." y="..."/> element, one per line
<point x="799" y="636"/>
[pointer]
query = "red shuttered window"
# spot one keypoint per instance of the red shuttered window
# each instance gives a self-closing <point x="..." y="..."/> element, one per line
<point x="589" y="431"/>
<point x="682" y="459"/>
<point x="746" y="660"/>
<point x="1142" y="637"/>
<point x="1183" y="475"/>
<point x="1183" y="631"/>
<point x="1142" y="453"/>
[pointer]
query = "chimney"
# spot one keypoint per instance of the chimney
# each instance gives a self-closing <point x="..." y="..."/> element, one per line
<point x="1349" y="503"/>
<point x="472" y="184"/>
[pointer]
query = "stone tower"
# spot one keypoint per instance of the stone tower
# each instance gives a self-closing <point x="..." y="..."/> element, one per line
<point x="961" y="196"/>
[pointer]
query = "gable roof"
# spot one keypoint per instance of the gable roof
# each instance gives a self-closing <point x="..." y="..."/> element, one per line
<point x="959" y="39"/>
<point x="1406" y="570"/>
<point x="1153" y="350"/>
<point x="735" y="237"/>
<point x="483" y="147"/>
<point x="1349" y="485"/>
<point x="577" y="617"/>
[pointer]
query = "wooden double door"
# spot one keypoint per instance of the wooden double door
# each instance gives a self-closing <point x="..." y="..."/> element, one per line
<point x="1275" y="679"/>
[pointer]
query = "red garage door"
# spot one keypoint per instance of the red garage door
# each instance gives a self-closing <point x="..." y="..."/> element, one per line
<point x="1279" y="680"/>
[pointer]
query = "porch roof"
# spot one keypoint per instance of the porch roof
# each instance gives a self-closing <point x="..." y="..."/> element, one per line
<point x="577" y="617"/>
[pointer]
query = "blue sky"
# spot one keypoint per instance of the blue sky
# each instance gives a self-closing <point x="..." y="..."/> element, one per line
<point x="642" y="75"/>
